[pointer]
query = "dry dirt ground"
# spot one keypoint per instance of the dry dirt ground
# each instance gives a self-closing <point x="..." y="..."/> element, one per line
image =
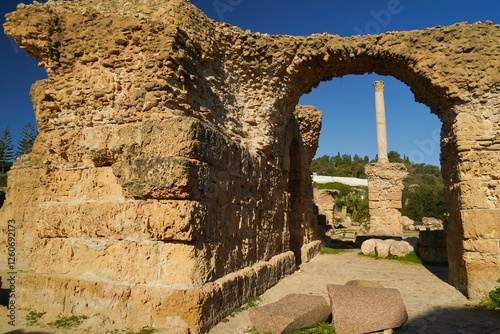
<point x="433" y="305"/>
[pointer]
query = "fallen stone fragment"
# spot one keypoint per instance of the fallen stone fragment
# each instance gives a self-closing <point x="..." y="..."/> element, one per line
<point x="400" y="248"/>
<point x="289" y="313"/>
<point x="365" y="283"/>
<point x="358" y="310"/>
<point x="368" y="246"/>
<point x="382" y="247"/>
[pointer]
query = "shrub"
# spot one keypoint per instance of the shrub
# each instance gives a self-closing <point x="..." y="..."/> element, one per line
<point x="495" y="297"/>
<point x="68" y="322"/>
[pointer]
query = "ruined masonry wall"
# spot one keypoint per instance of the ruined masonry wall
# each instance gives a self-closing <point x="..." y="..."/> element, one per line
<point x="472" y="173"/>
<point x="325" y="201"/>
<point x="165" y="135"/>
<point x="184" y="221"/>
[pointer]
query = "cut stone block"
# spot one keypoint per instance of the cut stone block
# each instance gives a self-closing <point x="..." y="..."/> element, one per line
<point x="358" y="309"/>
<point x="368" y="247"/>
<point x="382" y="247"/>
<point x="400" y="248"/>
<point x="289" y="313"/>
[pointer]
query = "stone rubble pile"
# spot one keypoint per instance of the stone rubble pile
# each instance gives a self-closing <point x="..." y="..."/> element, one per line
<point x="428" y="223"/>
<point x="384" y="248"/>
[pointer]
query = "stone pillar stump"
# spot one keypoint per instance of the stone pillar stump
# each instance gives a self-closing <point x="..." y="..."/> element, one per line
<point x="385" y="187"/>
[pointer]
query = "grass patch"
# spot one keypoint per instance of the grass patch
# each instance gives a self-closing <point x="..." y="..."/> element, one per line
<point x="148" y="330"/>
<point x="320" y="328"/>
<point x="68" y="322"/>
<point x="142" y="331"/>
<point x="492" y="302"/>
<point x="33" y="317"/>
<point x="412" y="257"/>
<point x="488" y="304"/>
<point x="328" y="250"/>
<point x="251" y="302"/>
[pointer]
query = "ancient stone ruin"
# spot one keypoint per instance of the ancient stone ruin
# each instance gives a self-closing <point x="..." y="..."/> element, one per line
<point x="385" y="179"/>
<point x="324" y="199"/>
<point x="385" y="188"/>
<point x="169" y="181"/>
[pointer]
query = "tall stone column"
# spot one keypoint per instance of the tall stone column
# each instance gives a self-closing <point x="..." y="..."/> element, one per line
<point x="381" y="126"/>
<point x="385" y="180"/>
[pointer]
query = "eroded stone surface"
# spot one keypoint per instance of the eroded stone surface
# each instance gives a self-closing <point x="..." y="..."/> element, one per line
<point x="153" y="109"/>
<point x="325" y="200"/>
<point x="385" y="188"/>
<point x="400" y="248"/>
<point x="358" y="309"/>
<point x="290" y="313"/>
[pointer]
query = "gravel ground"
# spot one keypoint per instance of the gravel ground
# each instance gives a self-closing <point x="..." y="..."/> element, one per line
<point x="433" y="305"/>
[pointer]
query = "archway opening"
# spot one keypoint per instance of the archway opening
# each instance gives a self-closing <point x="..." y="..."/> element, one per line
<point x="349" y="140"/>
<point x="293" y="167"/>
<point x="294" y="191"/>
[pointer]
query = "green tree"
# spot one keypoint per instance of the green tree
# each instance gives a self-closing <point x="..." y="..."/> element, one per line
<point x="6" y="149"/>
<point x="25" y="143"/>
<point x="424" y="201"/>
<point x="346" y="158"/>
<point x="355" y="205"/>
<point x="394" y="156"/>
<point x="428" y="169"/>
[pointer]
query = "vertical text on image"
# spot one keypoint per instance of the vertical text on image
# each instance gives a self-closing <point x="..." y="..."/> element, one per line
<point x="11" y="248"/>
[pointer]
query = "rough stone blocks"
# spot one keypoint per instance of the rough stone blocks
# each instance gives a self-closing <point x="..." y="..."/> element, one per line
<point x="385" y="186"/>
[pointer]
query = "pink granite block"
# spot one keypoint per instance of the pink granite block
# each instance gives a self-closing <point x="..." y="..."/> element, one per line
<point x="358" y="309"/>
<point x="289" y="313"/>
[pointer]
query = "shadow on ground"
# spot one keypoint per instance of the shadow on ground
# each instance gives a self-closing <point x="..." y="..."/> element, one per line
<point x="467" y="320"/>
<point x="342" y="244"/>
<point x="438" y="270"/>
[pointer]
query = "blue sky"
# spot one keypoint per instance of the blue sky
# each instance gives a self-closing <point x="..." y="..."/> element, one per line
<point x="347" y="103"/>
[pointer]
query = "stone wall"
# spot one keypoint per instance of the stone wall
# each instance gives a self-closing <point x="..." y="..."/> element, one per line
<point x="325" y="201"/>
<point x="385" y="189"/>
<point x="471" y="170"/>
<point x="189" y="214"/>
<point x="172" y="143"/>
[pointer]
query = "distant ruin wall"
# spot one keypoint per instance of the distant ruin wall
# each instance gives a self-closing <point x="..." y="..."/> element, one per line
<point x="324" y="199"/>
<point x="172" y="143"/>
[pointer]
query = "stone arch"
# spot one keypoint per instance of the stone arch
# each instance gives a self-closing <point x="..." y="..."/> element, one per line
<point x="471" y="270"/>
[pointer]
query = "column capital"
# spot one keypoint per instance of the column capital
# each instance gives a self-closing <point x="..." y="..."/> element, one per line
<point x="379" y="86"/>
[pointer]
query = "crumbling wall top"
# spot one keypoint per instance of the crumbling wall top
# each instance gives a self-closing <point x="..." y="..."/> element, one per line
<point x="121" y="61"/>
